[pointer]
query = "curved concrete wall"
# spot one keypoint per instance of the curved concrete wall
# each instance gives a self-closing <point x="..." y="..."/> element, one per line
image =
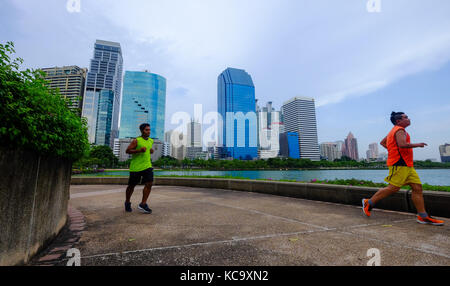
<point x="437" y="203"/>
<point x="34" y="194"/>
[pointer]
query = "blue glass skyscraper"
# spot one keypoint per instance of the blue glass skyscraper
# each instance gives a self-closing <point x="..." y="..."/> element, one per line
<point x="105" y="74"/>
<point x="143" y="101"/>
<point x="104" y="117"/>
<point x="236" y="105"/>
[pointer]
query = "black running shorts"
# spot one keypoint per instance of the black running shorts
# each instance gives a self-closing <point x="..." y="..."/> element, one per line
<point x="141" y="177"/>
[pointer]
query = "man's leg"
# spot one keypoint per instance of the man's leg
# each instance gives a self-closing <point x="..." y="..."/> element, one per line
<point x="130" y="190"/>
<point x="383" y="193"/>
<point x="368" y="204"/>
<point x="146" y="192"/>
<point x="417" y="197"/>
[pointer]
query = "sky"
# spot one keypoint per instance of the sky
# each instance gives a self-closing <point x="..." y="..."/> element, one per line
<point x="358" y="64"/>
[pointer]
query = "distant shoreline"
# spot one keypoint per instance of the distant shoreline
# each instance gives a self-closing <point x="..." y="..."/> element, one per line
<point x="276" y="169"/>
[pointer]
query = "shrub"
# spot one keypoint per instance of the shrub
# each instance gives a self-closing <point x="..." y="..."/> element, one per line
<point x="34" y="117"/>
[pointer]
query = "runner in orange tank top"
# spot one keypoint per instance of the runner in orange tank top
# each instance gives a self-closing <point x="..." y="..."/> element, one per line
<point x="401" y="169"/>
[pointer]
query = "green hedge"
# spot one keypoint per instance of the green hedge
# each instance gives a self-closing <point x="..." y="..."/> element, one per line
<point x="32" y="116"/>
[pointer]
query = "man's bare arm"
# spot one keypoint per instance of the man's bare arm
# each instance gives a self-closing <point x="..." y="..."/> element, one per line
<point x="132" y="148"/>
<point x="384" y="142"/>
<point x="400" y="136"/>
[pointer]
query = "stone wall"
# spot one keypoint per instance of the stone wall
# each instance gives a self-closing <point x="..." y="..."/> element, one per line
<point x="34" y="195"/>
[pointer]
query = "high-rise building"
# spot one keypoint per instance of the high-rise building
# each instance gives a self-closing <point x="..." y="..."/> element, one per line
<point x="289" y="145"/>
<point x="120" y="148"/>
<point x="103" y="132"/>
<point x="167" y="149"/>
<point x="350" y="147"/>
<point x="194" y="147"/>
<point x="268" y="131"/>
<point x="194" y="134"/>
<point x="103" y="84"/>
<point x="236" y="105"/>
<point x="444" y="151"/>
<point x="212" y="150"/>
<point x="329" y="151"/>
<point x="339" y="145"/>
<point x="372" y="153"/>
<point x="299" y="115"/>
<point x="382" y="156"/>
<point x="158" y="147"/>
<point x="177" y="142"/>
<point x="70" y="81"/>
<point x="143" y="101"/>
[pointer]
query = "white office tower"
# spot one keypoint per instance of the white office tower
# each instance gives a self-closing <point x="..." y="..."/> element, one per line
<point x="167" y="149"/>
<point x="194" y="134"/>
<point x="329" y="151"/>
<point x="194" y="140"/>
<point x="120" y="148"/>
<point x="372" y="153"/>
<point x="268" y="131"/>
<point x="177" y="142"/>
<point x="212" y="150"/>
<point x="340" y="145"/>
<point x="299" y="114"/>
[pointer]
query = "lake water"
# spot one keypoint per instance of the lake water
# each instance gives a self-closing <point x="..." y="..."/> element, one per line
<point x="439" y="177"/>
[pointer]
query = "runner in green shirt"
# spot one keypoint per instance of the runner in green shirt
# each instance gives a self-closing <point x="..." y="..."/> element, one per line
<point x="141" y="170"/>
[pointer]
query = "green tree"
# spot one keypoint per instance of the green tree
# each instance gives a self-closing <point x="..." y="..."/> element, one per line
<point x="32" y="116"/>
<point x="105" y="156"/>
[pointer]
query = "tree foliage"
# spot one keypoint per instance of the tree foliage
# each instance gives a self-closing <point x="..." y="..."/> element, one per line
<point x="34" y="117"/>
<point x="97" y="157"/>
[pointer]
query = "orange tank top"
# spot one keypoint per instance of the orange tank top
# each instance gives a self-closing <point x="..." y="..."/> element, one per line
<point x="398" y="156"/>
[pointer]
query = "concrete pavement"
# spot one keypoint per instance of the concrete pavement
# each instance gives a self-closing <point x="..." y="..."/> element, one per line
<point x="215" y="227"/>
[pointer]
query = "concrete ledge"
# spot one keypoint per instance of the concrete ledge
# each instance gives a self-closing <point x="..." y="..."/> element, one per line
<point x="437" y="203"/>
<point x="34" y="194"/>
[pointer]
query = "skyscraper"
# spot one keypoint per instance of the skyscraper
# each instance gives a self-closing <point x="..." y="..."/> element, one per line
<point x="236" y="105"/>
<point x="194" y="134"/>
<point x="268" y="131"/>
<point x="350" y="148"/>
<point x="105" y="74"/>
<point x="329" y="151"/>
<point x="299" y="115"/>
<point x="340" y="146"/>
<point x="372" y="153"/>
<point x="103" y="134"/>
<point x="444" y="151"/>
<point x="143" y="101"/>
<point x="70" y="80"/>
<point x="178" y="143"/>
<point x="289" y="145"/>
<point x="194" y="140"/>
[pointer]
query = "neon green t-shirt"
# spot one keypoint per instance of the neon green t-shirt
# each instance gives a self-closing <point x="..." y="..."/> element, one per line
<point x="141" y="161"/>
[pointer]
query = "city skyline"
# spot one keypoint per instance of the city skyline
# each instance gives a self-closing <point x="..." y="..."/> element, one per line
<point x="359" y="66"/>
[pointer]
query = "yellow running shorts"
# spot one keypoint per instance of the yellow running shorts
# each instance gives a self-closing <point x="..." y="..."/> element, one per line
<point x="401" y="175"/>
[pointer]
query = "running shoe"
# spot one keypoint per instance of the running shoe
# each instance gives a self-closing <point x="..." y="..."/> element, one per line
<point x="144" y="208"/>
<point x="429" y="220"/>
<point x="366" y="207"/>
<point x="128" y="207"/>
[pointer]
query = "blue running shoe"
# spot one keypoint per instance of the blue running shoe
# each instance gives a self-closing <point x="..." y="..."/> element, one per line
<point x="128" y="207"/>
<point x="144" y="208"/>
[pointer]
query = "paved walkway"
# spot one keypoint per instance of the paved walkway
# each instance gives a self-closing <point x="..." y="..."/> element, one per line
<point x="213" y="227"/>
